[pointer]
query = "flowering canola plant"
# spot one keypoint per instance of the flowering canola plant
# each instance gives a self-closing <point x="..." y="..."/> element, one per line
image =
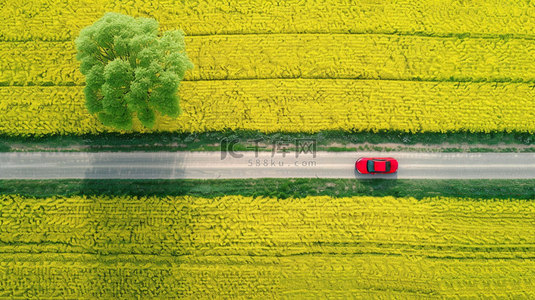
<point x="297" y="105"/>
<point x="236" y="246"/>
<point x="294" y="66"/>
<point x="55" y="20"/>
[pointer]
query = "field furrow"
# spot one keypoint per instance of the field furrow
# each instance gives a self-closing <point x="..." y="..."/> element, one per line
<point x="293" y="105"/>
<point x="62" y="20"/>
<point x="370" y="56"/>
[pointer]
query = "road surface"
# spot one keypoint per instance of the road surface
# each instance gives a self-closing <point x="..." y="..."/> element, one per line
<point x="175" y="165"/>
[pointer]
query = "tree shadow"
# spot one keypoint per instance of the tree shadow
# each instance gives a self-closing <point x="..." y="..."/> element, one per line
<point x="122" y="226"/>
<point x="134" y="165"/>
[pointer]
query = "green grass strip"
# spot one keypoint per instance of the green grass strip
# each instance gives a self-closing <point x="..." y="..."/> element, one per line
<point x="275" y="187"/>
<point x="209" y="141"/>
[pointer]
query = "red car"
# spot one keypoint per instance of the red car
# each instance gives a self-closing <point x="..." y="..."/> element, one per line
<point x="376" y="165"/>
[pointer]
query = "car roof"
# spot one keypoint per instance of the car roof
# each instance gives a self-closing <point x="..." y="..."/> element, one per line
<point x="379" y="165"/>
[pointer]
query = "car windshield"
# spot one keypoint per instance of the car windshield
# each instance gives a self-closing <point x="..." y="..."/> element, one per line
<point x="370" y="166"/>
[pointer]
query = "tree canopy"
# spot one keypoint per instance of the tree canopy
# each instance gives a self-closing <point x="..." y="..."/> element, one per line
<point x="131" y="70"/>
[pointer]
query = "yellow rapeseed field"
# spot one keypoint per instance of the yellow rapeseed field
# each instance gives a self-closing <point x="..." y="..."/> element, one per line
<point x="283" y="56"/>
<point x="278" y="105"/>
<point x="261" y="247"/>
<point x="305" y="66"/>
<point x="62" y="20"/>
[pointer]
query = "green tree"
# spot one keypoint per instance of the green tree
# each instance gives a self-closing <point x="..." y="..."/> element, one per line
<point x="130" y="70"/>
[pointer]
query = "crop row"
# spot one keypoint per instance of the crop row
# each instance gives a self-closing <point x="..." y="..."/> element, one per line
<point x="76" y="276"/>
<point x="62" y="19"/>
<point x="301" y="56"/>
<point x="264" y="226"/>
<point x="304" y="105"/>
<point x="117" y="247"/>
